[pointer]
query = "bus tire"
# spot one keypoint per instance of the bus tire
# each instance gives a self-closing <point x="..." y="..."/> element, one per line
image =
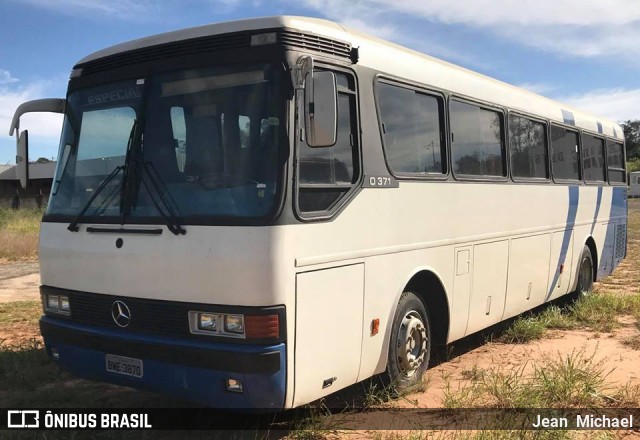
<point x="585" y="273"/>
<point x="410" y="343"/>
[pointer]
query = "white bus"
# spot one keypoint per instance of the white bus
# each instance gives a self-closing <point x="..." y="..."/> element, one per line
<point x="634" y="184"/>
<point x="258" y="213"/>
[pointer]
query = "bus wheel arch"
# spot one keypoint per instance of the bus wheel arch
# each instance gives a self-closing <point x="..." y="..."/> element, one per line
<point x="426" y="285"/>
<point x="591" y="244"/>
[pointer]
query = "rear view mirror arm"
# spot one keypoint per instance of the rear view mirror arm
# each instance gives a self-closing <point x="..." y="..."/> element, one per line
<point x="51" y="105"/>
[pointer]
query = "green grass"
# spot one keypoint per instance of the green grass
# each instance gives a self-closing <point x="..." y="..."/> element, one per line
<point x="633" y="342"/>
<point x="598" y="311"/>
<point x="378" y="392"/>
<point x="501" y="434"/>
<point x="572" y="380"/>
<point x="25" y="367"/>
<point x="523" y="330"/>
<point x="20" y="311"/>
<point x="19" y="233"/>
<point x="21" y="220"/>
<point x="474" y="373"/>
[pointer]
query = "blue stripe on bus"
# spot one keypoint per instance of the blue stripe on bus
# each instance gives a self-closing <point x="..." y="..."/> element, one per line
<point x="619" y="201"/>
<point x="618" y="209"/>
<point x="595" y="216"/>
<point x="574" y="196"/>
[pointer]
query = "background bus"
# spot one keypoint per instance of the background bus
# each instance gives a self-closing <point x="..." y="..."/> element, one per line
<point x="634" y="184"/>
<point x="262" y="212"/>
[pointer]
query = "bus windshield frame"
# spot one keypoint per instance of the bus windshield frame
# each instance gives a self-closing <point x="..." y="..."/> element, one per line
<point x="213" y="138"/>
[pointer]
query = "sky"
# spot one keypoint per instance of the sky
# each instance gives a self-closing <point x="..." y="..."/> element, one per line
<point x="583" y="53"/>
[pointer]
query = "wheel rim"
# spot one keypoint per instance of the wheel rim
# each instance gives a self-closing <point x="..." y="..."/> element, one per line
<point x="586" y="277"/>
<point x="412" y="343"/>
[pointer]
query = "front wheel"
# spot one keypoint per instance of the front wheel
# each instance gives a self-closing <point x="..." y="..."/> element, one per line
<point x="585" y="273"/>
<point x="410" y="344"/>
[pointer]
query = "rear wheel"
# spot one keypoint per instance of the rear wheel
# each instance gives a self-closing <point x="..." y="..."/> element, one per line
<point x="585" y="273"/>
<point x="410" y="344"/>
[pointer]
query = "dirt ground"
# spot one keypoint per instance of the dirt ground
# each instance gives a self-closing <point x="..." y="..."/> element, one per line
<point x="19" y="282"/>
<point x="619" y="361"/>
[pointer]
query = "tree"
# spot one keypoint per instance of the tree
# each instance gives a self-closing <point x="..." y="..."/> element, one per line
<point x="632" y="137"/>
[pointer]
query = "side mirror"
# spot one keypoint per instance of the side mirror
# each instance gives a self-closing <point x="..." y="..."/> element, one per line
<point x="321" y="109"/>
<point x="22" y="146"/>
<point x="22" y="159"/>
<point x="52" y="105"/>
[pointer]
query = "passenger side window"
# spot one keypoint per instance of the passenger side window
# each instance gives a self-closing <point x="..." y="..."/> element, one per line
<point x="179" y="129"/>
<point x="477" y="147"/>
<point x="412" y="127"/>
<point x="593" y="159"/>
<point x="564" y="153"/>
<point x="244" y="127"/>
<point x="326" y="174"/>
<point x="528" y="143"/>
<point x="616" y="162"/>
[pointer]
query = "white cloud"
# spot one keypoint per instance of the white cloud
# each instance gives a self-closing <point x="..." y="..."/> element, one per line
<point x="617" y="104"/>
<point x="384" y="31"/>
<point x="545" y="12"/>
<point x="372" y="17"/>
<point x="588" y="28"/>
<point x="139" y="10"/>
<point x="6" y="78"/>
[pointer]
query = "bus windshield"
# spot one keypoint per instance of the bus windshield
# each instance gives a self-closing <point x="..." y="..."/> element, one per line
<point x="210" y="138"/>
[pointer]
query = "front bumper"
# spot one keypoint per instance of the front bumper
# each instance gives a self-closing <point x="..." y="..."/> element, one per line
<point x="192" y="370"/>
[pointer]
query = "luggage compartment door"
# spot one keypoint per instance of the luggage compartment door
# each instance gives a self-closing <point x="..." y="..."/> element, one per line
<point x="328" y="343"/>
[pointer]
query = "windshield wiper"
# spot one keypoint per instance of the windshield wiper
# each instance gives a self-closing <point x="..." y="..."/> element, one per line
<point x="73" y="226"/>
<point x="171" y="218"/>
<point x="124" y="188"/>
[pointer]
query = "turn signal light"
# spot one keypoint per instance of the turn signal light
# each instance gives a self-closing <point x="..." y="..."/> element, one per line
<point x="262" y="326"/>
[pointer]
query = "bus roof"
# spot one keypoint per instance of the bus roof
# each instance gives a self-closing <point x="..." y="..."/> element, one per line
<point x="396" y="61"/>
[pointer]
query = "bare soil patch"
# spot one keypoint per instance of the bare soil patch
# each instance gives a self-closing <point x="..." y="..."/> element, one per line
<point x="23" y="288"/>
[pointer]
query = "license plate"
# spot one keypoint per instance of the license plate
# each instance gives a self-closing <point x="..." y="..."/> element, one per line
<point x="124" y="365"/>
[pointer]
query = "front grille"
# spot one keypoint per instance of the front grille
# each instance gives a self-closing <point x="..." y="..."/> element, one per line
<point x="235" y="41"/>
<point x="314" y="43"/>
<point x="158" y="317"/>
<point x="169" y="50"/>
<point x="147" y="315"/>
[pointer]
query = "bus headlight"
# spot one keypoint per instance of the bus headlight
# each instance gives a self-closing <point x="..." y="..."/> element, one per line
<point x="207" y="322"/>
<point x="64" y="304"/>
<point x="57" y="304"/>
<point x="53" y="302"/>
<point x="234" y="324"/>
<point x="216" y="324"/>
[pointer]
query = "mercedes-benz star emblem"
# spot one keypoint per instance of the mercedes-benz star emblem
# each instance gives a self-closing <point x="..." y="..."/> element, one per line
<point x="120" y="313"/>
